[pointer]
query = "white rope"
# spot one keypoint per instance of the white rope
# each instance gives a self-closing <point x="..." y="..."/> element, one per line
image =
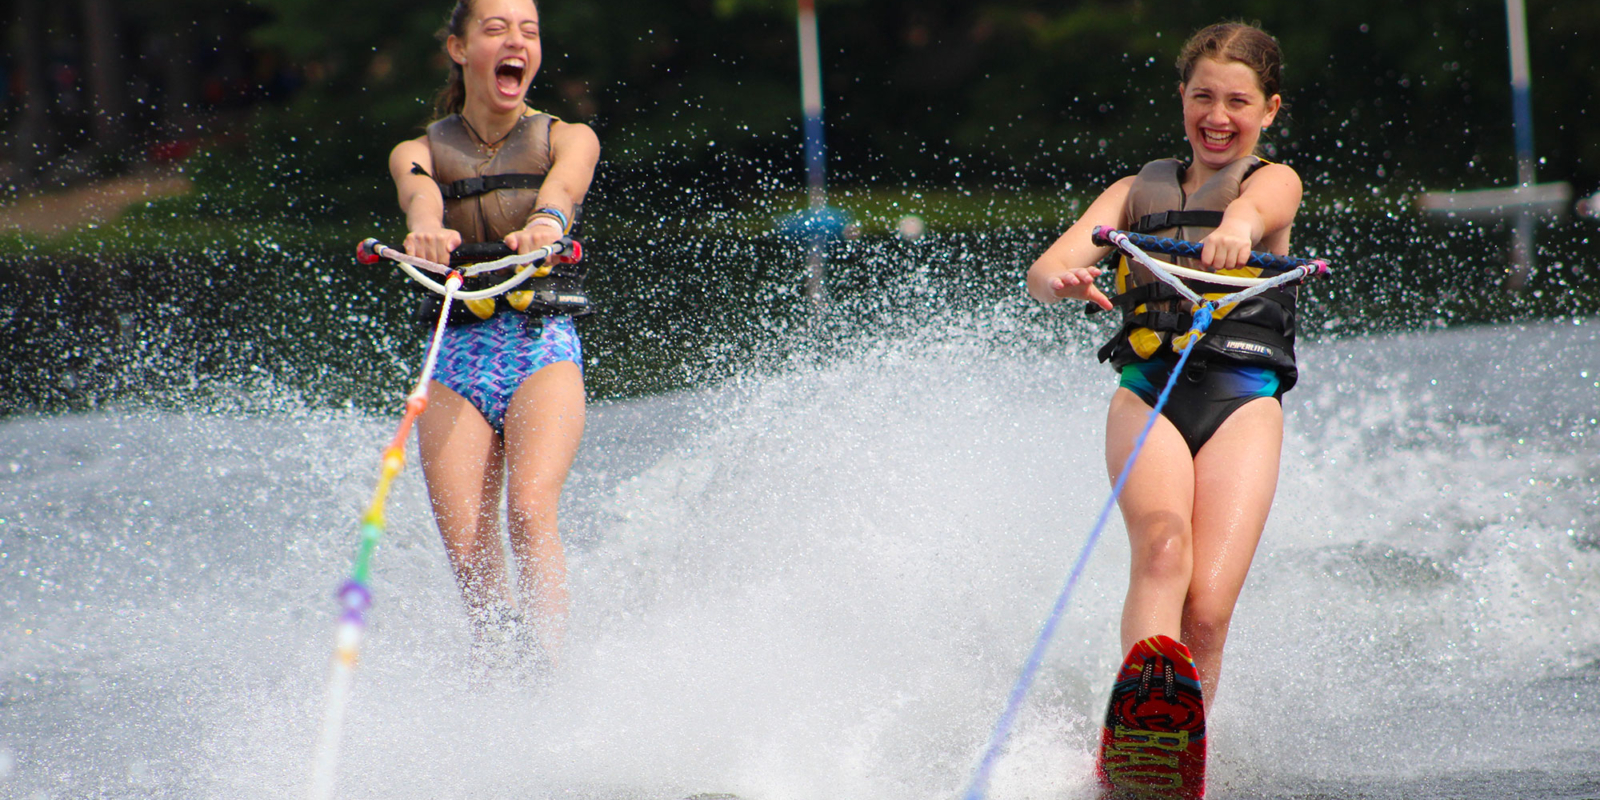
<point x="450" y="294"/>
<point x="1209" y="277"/>
<point x="1157" y="267"/>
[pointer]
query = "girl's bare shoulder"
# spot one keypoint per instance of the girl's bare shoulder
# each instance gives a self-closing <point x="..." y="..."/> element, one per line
<point x="413" y="149"/>
<point x="1274" y="172"/>
<point x="573" y="134"/>
<point x="408" y="153"/>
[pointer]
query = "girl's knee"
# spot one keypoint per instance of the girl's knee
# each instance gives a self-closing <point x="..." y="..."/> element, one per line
<point x="532" y="509"/>
<point x="1162" y="549"/>
<point x="533" y="527"/>
<point x="1206" y="622"/>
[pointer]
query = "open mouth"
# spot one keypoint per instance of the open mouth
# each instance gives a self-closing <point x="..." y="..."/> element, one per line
<point x="508" y="75"/>
<point x="1216" y="140"/>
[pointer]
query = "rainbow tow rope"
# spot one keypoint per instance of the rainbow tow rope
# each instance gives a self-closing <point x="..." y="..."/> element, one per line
<point x="1130" y="243"/>
<point x="355" y="598"/>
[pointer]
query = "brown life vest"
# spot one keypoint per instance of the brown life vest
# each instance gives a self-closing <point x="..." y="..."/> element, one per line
<point x="490" y="192"/>
<point x="1156" y="320"/>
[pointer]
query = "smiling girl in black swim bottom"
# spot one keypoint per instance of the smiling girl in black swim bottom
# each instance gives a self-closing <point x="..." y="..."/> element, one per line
<point x="1198" y="496"/>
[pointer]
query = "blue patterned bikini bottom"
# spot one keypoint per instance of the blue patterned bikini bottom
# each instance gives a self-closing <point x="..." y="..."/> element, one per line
<point x="486" y="362"/>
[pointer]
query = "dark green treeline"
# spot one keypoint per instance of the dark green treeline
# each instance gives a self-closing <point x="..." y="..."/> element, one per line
<point x="917" y="91"/>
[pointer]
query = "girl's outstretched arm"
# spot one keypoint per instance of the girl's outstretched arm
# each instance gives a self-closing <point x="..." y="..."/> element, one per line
<point x="1262" y="213"/>
<point x="574" y="152"/>
<point x="421" y="202"/>
<point x="1067" y="270"/>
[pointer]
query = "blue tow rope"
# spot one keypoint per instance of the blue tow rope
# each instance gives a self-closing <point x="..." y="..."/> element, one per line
<point x="979" y="786"/>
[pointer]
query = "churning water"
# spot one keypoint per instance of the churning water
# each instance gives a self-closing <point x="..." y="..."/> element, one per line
<point x="818" y="581"/>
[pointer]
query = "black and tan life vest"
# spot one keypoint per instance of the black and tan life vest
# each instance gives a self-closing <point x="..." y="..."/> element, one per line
<point x="1156" y="320"/>
<point x="490" y="193"/>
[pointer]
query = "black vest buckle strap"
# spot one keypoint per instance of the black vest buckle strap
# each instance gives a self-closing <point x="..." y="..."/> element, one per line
<point x="484" y="184"/>
<point x="1163" y="321"/>
<point x="1162" y="220"/>
<point x="1144" y="294"/>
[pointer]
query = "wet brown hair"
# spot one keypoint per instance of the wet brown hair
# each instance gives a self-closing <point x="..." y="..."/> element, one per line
<point x="1236" y="41"/>
<point x="453" y="97"/>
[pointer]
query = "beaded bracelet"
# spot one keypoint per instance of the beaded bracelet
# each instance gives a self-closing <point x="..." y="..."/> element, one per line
<point x="554" y="213"/>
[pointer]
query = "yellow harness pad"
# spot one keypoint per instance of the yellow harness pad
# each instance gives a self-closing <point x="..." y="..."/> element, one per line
<point x="520" y="299"/>
<point x="1145" y="341"/>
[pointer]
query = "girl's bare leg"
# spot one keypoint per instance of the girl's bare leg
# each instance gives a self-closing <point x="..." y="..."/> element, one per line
<point x="461" y="461"/>
<point x="1236" y="476"/>
<point x="1156" y="504"/>
<point x="544" y="427"/>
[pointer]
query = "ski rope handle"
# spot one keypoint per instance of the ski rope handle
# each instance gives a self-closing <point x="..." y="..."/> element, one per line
<point x="1169" y="273"/>
<point x="536" y="264"/>
<point x="1186" y="249"/>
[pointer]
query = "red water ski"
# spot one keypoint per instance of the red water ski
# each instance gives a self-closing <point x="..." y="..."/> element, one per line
<point x="1154" y="742"/>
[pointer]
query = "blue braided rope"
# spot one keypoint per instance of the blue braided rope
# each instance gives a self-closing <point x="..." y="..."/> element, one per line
<point x="978" y="788"/>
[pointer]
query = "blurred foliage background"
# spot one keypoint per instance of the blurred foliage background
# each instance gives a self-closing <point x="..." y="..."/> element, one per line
<point x="704" y="93"/>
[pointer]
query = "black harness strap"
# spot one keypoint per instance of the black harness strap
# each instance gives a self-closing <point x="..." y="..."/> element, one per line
<point x="1157" y="292"/>
<point x="1162" y="321"/>
<point x="1182" y="321"/>
<point x="472" y="187"/>
<point x="1150" y="223"/>
<point x="1145" y="293"/>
